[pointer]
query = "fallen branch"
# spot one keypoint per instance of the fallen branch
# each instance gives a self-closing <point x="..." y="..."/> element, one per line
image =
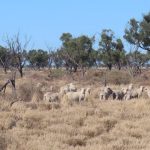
<point x="4" y="86"/>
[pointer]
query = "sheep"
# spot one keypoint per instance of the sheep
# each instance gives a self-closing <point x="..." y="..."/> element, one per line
<point x="72" y="87"/>
<point x="147" y="91"/>
<point x="47" y="89"/>
<point x="134" y="93"/>
<point x="76" y="96"/>
<point x="130" y="87"/>
<point x="87" y="93"/>
<point x="119" y="95"/>
<point x="106" y="93"/>
<point x="64" y="90"/>
<point x="67" y="88"/>
<point x="51" y="97"/>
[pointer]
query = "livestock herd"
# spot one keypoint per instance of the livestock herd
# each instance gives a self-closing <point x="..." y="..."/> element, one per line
<point x="70" y="93"/>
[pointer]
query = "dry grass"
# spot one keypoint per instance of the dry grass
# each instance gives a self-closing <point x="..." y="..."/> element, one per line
<point x="111" y="125"/>
<point x="92" y="125"/>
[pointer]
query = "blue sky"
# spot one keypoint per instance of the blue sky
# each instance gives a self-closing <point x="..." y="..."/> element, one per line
<point x="45" y="20"/>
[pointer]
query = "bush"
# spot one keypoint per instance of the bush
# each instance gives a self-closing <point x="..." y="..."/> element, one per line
<point x="117" y="77"/>
<point x="112" y="77"/>
<point x="56" y="73"/>
<point x="25" y="92"/>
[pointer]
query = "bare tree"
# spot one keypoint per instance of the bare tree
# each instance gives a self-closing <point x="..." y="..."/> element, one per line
<point x="12" y="81"/>
<point x="4" y="58"/>
<point x="17" y="49"/>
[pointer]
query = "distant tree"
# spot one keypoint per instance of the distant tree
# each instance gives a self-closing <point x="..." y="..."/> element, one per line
<point x="119" y="54"/>
<point x="111" y="50"/>
<point x="17" y="49"/>
<point x="132" y="33"/>
<point x="4" y="58"/>
<point x="65" y="37"/>
<point x="106" y="47"/>
<point x="38" y="58"/>
<point x="76" y="52"/>
<point x="57" y="58"/>
<point x="145" y="32"/>
<point x="137" y="33"/>
<point x="137" y="58"/>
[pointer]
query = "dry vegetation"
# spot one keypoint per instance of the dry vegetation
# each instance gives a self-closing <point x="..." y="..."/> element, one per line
<point x="31" y="124"/>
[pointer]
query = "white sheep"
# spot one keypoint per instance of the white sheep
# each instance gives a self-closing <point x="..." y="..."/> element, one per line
<point x="134" y="93"/>
<point x="87" y="93"/>
<point x="75" y="96"/>
<point x="72" y="87"/>
<point x="147" y="89"/>
<point x="64" y="90"/>
<point x="51" y="97"/>
<point x="119" y="95"/>
<point x="105" y="93"/>
<point x="130" y="87"/>
<point x="67" y="88"/>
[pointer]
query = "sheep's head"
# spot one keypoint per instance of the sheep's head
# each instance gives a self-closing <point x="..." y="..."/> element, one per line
<point x="130" y="86"/>
<point x="125" y="90"/>
<point x="72" y="87"/>
<point x="108" y="90"/>
<point x="83" y="90"/>
<point x="88" y="90"/>
<point x="146" y="89"/>
<point x="142" y="88"/>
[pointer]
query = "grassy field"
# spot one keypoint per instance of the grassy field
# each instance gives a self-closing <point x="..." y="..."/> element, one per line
<point x="93" y="125"/>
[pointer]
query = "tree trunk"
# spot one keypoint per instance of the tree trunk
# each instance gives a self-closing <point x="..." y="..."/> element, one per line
<point x="5" y="70"/>
<point x="83" y="71"/>
<point x="75" y="68"/>
<point x="119" y="66"/>
<point x="21" y="72"/>
<point x="109" y="66"/>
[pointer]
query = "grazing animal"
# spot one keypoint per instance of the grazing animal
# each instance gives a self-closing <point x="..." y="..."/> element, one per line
<point x="67" y="88"/>
<point x="64" y="90"/>
<point x="147" y="89"/>
<point x="72" y="87"/>
<point x="130" y="87"/>
<point x="87" y="93"/>
<point x="51" y="97"/>
<point x="75" y="96"/>
<point x="134" y="93"/>
<point x="106" y="93"/>
<point x="119" y="95"/>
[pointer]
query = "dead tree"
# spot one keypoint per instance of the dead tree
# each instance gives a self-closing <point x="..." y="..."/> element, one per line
<point x="11" y="81"/>
<point x="18" y="52"/>
<point x="4" y="58"/>
<point x="3" y="87"/>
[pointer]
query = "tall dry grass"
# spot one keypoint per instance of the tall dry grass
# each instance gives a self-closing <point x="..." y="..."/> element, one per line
<point x="91" y="125"/>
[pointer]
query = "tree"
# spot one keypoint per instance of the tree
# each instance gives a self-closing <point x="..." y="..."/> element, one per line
<point x="145" y="32"/>
<point x="106" y="47"/>
<point x="57" y="58"/>
<point x="132" y="33"/>
<point x="76" y="52"/>
<point x="38" y="58"/>
<point x="17" y="49"/>
<point x="137" y="58"/>
<point x="119" y="54"/>
<point x="138" y="32"/>
<point x="4" y="58"/>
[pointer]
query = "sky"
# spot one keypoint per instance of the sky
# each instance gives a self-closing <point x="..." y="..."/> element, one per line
<point x="44" y="21"/>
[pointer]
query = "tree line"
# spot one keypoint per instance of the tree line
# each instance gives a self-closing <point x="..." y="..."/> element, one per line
<point x="79" y="53"/>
